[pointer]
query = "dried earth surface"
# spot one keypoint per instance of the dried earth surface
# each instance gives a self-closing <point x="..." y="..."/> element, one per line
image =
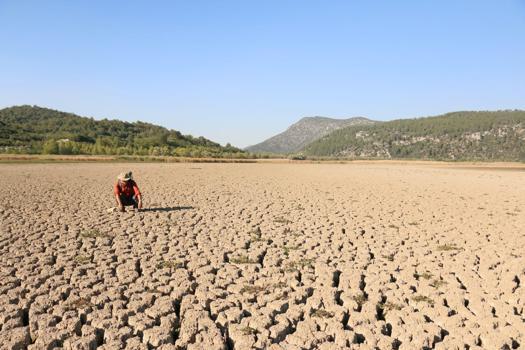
<point x="263" y="256"/>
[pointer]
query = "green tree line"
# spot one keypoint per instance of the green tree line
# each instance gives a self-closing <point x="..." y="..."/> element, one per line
<point x="37" y="130"/>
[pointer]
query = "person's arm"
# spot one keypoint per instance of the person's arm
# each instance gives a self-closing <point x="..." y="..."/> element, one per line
<point x="138" y="196"/>
<point x="117" y="198"/>
<point x="119" y="202"/>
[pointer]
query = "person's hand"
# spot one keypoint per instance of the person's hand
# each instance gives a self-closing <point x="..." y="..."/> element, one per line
<point x="122" y="208"/>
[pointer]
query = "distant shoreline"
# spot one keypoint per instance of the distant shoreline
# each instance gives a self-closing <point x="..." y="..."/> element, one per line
<point x="36" y="158"/>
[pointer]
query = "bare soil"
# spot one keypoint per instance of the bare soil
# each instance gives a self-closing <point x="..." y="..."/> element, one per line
<point x="263" y="256"/>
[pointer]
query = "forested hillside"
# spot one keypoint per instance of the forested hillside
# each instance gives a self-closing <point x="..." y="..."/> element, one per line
<point x="32" y="129"/>
<point x="498" y="135"/>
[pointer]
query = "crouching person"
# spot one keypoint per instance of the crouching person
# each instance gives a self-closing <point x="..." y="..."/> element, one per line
<point x="127" y="192"/>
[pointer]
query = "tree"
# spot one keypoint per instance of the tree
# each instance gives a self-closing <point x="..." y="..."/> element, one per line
<point x="50" y="147"/>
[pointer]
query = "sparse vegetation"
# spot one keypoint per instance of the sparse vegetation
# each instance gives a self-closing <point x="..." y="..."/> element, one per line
<point x="257" y="239"/>
<point x="360" y="299"/>
<point x="242" y="259"/>
<point x="438" y="283"/>
<point x="296" y="265"/>
<point x="298" y="157"/>
<point x="249" y="289"/>
<point x="287" y="249"/>
<point x="389" y="257"/>
<point x="280" y="285"/>
<point x="423" y="299"/>
<point x="281" y="220"/>
<point x="82" y="259"/>
<point x="447" y="247"/>
<point x="425" y="275"/>
<point x="322" y="313"/>
<point x="77" y="304"/>
<point x="389" y="306"/>
<point x="93" y="233"/>
<point x="170" y="264"/>
<point x="256" y="235"/>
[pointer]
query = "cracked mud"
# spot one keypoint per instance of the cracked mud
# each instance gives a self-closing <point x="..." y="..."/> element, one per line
<point x="262" y="256"/>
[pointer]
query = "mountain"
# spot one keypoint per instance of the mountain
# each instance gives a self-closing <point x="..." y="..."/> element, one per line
<point x="33" y="129"/>
<point x="484" y="136"/>
<point x="304" y="132"/>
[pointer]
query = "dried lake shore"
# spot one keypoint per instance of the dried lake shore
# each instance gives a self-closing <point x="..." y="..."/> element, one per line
<point x="363" y="255"/>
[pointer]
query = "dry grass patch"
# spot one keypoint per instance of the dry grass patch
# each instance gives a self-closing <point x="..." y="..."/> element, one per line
<point x="438" y="283"/>
<point x="256" y="235"/>
<point x="242" y="259"/>
<point x="296" y="265"/>
<point x="280" y="285"/>
<point x="82" y="259"/>
<point x="252" y="289"/>
<point x="425" y="275"/>
<point x="170" y="264"/>
<point x="78" y="304"/>
<point x="281" y="220"/>
<point x="389" y="306"/>
<point x="389" y="257"/>
<point x="321" y="313"/>
<point x="93" y="233"/>
<point x="423" y="299"/>
<point x="360" y="299"/>
<point x="448" y="247"/>
<point x="287" y="249"/>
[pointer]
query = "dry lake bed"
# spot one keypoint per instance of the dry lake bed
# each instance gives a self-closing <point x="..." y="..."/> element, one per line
<point x="263" y="256"/>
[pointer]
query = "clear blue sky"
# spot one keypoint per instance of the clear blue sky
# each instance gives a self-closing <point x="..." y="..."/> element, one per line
<point x="241" y="71"/>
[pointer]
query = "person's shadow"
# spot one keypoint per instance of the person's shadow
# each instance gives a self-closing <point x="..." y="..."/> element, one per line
<point x="166" y="209"/>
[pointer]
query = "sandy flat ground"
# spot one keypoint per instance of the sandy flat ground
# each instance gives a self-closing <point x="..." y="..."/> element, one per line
<point x="277" y="256"/>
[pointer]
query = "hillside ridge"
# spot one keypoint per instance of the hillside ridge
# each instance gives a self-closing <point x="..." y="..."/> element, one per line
<point x="463" y="135"/>
<point x="303" y="132"/>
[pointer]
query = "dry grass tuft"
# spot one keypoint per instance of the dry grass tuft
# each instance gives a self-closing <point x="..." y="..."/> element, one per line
<point x="438" y="283"/>
<point x="252" y="289"/>
<point x="93" y="233"/>
<point x="360" y="299"/>
<point x="82" y="259"/>
<point x="423" y="298"/>
<point x="389" y="257"/>
<point x="447" y="247"/>
<point x="287" y="249"/>
<point x="256" y="235"/>
<point x="170" y="264"/>
<point x="296" y="265"/>
<point x="321" y="313"/>
<point x="281" y="220"/>
<point x="425" y="275"/>
<point x="78" y="304"/>
<point x="389" y="306"/>
<point x="242" y="259"/>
